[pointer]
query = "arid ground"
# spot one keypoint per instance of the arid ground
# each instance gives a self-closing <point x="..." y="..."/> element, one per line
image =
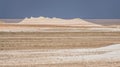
<point x="72" y="43"/>
<point x="56" y="49"/>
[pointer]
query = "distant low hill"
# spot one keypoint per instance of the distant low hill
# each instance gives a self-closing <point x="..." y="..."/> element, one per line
<point x="57" y="21"/>
<point x="96" y="21"/>
<point x="1" y="22"/>
<point x="105" y="21"/>
<point x="11" y="20"/>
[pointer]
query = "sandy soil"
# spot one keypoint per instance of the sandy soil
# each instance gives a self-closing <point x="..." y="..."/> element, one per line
<point x="61" y="40"/>
<point x="108" y="54"/>
<point x="56" y="49"/>
<point x="24" y="45"/>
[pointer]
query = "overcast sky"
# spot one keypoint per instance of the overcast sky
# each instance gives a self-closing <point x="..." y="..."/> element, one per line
<point x="100" y="9"/>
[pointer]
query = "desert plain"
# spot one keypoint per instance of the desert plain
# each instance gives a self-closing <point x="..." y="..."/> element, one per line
<point x="46" y="42"/>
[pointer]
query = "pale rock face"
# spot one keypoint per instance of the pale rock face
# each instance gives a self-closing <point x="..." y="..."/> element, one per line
<point x="57" y="21"/>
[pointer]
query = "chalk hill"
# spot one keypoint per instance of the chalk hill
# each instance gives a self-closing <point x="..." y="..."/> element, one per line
<point x="57" y="21"/>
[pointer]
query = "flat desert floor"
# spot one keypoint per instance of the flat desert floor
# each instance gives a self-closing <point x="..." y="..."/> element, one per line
<point x="59" y="49"/>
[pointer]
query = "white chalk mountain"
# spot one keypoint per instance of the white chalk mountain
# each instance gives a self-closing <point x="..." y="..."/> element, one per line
<point x="57" y="21"/>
